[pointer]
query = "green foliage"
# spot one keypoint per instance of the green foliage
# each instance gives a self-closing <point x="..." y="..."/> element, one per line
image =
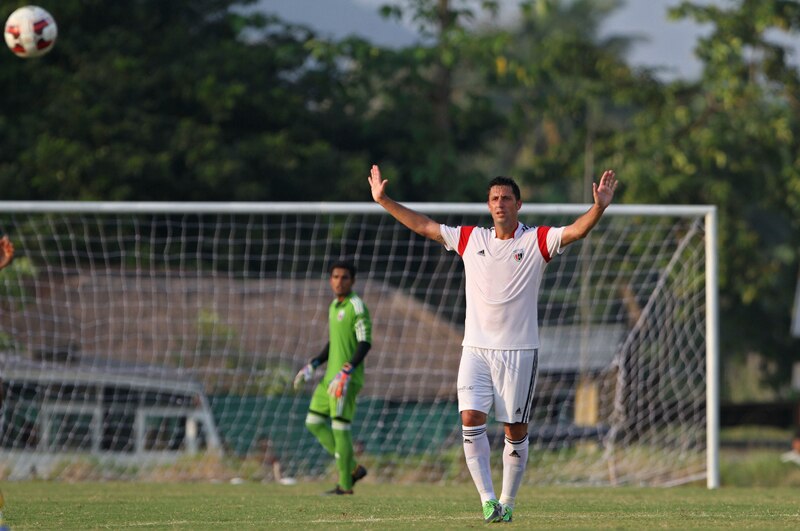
<point x="272" y="380"/>
<point x="151" y="100"/>
<point x="14" y="277"/>
<point x="731" y="139"/>
<point x="13" y="281"/>
<point x="7" y="342"/>
<point x="566" y="90"/>
<point x="214" y="335"/>
<point x="751" y="434"/>
<point x="758" y="468"/>
<point x="213" y="100"/>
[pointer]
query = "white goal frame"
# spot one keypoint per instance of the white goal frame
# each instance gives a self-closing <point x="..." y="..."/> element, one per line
<point x="709" y="213"/>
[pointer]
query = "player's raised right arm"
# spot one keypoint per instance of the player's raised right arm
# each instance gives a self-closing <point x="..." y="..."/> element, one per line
<point x="419" y="223"/>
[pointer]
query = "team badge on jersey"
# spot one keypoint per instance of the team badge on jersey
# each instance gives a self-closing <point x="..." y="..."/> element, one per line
<point x="340" y="315"/>
<point x="518" y="254"/>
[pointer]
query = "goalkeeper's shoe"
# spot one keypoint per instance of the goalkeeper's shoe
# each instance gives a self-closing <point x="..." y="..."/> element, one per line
<point x="492" y="511"/>
<point x="338" y="491"/>
<point x="507" y="513"/>
<point x="359" y="473"/>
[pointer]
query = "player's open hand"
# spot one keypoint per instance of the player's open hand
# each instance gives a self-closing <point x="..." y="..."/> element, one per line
<point x="377" y="184"/>
<point x="6" y="251"/>
<point x="604" y="191"/>
<point x="303" y="376"/>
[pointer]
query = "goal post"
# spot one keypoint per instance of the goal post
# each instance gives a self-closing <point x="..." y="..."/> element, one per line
<point x="138" y="337"/>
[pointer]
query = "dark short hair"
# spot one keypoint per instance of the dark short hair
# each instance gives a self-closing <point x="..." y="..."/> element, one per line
<point x="343" y="264"/>
<point x="504" y="181"/>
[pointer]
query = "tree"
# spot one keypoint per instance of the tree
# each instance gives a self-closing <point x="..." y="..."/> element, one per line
<point x="567" y="92"/>
<point x="179" y="100"/>
<point x="418" y="110"/>
<point x="730" y="139"/>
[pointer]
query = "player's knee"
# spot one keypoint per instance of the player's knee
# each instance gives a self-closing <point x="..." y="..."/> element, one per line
<point x="315" y="419"/>
<point x="471" y="417"/>
<point x="516" y="431"/>
<point x="341" y="424"/>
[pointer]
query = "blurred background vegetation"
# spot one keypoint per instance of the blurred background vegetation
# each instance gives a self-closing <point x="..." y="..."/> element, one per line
<point x="211" y="100"/>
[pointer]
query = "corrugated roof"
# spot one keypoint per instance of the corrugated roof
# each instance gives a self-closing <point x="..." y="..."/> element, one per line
<point x="154" y="328"/>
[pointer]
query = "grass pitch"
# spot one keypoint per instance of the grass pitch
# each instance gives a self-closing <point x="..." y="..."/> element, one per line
<point x="50" y="505"/>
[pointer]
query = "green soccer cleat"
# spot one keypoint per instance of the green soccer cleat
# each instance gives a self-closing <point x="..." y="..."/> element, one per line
<point x="492" y="511"/>
<point x="507" y="513"/>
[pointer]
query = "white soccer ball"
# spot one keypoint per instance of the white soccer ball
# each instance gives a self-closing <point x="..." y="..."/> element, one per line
<point x="30" y="31"/>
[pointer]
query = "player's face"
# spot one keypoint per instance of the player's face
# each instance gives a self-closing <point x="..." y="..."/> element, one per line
<point x="341" y="282"/>
<point x="503" y="205"/>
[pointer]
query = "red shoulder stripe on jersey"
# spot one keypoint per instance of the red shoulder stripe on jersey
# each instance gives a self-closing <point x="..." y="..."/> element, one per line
<point x="464" y="238"/>
<point x="541" y="236"/>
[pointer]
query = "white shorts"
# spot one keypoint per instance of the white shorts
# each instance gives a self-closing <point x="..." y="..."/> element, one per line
<point x="505" y="378"/>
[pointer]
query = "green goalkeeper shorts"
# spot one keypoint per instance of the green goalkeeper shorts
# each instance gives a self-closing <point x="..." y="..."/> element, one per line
<point x="325" y="404"/>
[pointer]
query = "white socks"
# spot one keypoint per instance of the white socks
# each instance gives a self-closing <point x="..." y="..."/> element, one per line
<point x="476" y="450"/>
<point x="515" y="458"/>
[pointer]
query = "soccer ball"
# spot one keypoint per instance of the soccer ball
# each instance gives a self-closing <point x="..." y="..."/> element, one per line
<point x="30" y="31"/>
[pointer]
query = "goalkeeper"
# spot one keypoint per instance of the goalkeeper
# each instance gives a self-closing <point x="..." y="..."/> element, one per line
<point x="333" y="404"/>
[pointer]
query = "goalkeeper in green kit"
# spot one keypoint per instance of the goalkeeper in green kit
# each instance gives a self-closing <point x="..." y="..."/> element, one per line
<point x="333" y="405"/>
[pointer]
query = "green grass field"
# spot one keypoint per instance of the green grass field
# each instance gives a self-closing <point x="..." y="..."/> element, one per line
<point x="51" y="505"/>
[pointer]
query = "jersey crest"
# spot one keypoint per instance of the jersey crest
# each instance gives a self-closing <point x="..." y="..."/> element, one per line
<point x="518" y="254"/>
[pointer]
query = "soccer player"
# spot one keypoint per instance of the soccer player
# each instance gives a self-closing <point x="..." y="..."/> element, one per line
<point x="503" y="266"/>
<point x="6" y="251"/>
<point x="333" y="404"/>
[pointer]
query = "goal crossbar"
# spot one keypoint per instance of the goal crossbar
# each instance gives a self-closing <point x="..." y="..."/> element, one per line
<point x="207" y="207"/>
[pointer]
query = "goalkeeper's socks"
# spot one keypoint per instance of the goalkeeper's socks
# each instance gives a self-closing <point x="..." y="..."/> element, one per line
<point x="476" y="451"/>
<point x="320" y="428"/>
<point x="345" y="456"/>
<point x="515" y="459"/>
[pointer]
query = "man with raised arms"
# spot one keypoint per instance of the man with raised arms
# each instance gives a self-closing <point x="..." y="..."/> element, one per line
<point x="504" y="266"/>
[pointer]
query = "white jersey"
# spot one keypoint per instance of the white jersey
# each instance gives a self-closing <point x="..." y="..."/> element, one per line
<point x="503" y="278"/>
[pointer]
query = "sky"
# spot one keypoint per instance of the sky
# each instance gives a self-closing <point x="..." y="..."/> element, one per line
<point x="664" y="44"/>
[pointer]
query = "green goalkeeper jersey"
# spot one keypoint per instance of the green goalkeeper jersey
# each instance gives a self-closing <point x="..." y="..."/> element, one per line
<point x="349" y="323"/>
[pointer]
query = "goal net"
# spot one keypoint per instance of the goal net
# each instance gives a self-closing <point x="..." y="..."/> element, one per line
<point x="158" y="341"/>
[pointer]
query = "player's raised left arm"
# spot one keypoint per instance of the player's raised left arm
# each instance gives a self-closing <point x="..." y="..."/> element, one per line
<point x="603" y="193"/>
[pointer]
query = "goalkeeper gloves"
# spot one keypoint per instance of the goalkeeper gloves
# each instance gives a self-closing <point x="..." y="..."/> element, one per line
<point x="304" y="375"/>
<point x="338" y="387"/>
